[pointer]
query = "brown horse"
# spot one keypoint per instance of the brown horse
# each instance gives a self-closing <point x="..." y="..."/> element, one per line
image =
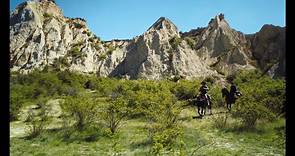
<point x="202" y="103"/>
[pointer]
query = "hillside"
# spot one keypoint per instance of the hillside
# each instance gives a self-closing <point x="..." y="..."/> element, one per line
<point x="71" y="93"/>
<point x="41" y="36"/>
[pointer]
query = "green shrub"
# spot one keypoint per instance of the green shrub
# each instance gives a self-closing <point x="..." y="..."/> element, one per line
<point x="15" y="103"/>
<point x="91" y="39"/>
<point x="78" y="25"/>
<point x="60" y="62"/>
<point x="78" y="44"/>
<point x="110" y="50"/>
<point x="271" y="91"/>
<point x="82" y="108"/>
<point x="46" y="15"/>
<point x="175" y="42"/>
<point x="190" y="42"/>
<point x="37" y="121"/>
<point x="220" y="121"/>
<point x="250" y="110"/>
<point x="102" y="57"/>
<point x="75" y="52"/>
<point x="88" y="33"/>
<point x="161" y="110"/>
<point x="186" y="89"/>
<point x="262" y="98"/>
<point x="115" y="111"/>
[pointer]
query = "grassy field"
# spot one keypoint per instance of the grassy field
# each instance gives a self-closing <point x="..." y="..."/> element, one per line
<point x="156" y="118"/>
<point x="200" y="137"/>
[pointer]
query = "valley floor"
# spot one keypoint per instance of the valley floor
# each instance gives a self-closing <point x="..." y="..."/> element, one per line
<point x="200" y="137"/>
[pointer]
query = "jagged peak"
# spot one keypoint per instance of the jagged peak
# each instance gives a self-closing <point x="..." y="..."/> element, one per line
<point x="163" y="23"/>
<point x="42" y="5"/>
<point x="218" y="21"/>
<point x="53" y="1"/>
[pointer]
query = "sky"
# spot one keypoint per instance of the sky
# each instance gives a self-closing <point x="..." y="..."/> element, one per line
<point x="125" y="19"/>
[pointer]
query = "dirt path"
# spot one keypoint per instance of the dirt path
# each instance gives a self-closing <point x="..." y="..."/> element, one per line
<point x="20" y="128"/>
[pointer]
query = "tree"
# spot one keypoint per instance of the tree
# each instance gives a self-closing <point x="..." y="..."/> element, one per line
<point x="82" y="108"/>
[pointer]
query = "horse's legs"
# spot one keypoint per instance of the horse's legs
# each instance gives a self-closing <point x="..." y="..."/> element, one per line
<point x="199" y="111"/>
<point x="210" y="110"/>
<point x="229" y="108"/>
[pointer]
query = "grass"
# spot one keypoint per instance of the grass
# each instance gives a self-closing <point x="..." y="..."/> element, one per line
<point x="199" y="138"/>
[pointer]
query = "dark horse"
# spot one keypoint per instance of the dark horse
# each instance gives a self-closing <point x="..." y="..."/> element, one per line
<point x="201" y="102"/>
<point x="230" y="97"/>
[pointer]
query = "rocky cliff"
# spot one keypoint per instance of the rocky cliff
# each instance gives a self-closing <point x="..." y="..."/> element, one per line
<point x="268" y="48"/>
<point x="41" y="37"/>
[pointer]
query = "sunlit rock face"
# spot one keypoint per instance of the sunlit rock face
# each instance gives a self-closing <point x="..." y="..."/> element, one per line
<point x="41" y="36"/>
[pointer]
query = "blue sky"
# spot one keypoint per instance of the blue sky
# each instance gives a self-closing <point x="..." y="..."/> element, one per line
<point x="125" y="19"/>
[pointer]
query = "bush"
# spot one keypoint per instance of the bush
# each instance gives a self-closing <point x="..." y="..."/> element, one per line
<point x="220" y="121"/>
<point x="82" y="108"/>
<point x="161" y="110"/>
<point x="37" y="121"/>
<point x="175" y="42"/>
<point x="262" y="98"/>
<point x="272" y="92"/>
<point x="91" y="39"/>
<point x="75" y="52"/>
<point x="102" y="57"/>
<point x="88" y="33"/>
<point x="116" y="110"/>
<point x="15" y="103"/>
<point x="190" y="42"/>
<point x="78" y="25"/>
<point x="250" y="111"/>
<point x="186" y="89"/>
<point x="46" y="15"/>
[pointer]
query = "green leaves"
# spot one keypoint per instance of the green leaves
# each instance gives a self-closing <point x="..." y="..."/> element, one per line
<point x="82" y="108"/>
<point x="262" y="98"/>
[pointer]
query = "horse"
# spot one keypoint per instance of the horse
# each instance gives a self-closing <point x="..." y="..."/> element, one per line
<point x="230" y="98"/>
<point x="201" y="102"/>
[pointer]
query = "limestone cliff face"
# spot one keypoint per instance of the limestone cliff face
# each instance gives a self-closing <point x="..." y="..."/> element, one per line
<point x="159" y="53"/>
<point x="222" y="48"/>
<point x="40" y="36"/>
<point x="268" y="47"/>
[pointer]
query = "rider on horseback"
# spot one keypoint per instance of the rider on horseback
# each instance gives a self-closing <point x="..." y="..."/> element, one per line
<point x="232" y="95"/>
<point x="234" y="90"/>
<point x="204" y="96"/>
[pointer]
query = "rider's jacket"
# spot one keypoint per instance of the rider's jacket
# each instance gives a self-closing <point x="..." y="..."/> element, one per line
<point x="203" y="93"/>
<point x="234" y="91"/>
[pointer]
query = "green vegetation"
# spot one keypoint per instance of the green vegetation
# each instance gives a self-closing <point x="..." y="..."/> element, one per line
<point x="37" y="122"/>
<point x="102" y="57"/>
<point x="82" y="108"/>
<point x="75" y="51"/>
<point x="60" y="63"/>
<point x="91" y="39"/>
<point x="143" y="117"/>
<point x="46" y="15"/>
<point x="190" y="42"/>
<point x="175" y="42"/>
<point x="78" y="25"/>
